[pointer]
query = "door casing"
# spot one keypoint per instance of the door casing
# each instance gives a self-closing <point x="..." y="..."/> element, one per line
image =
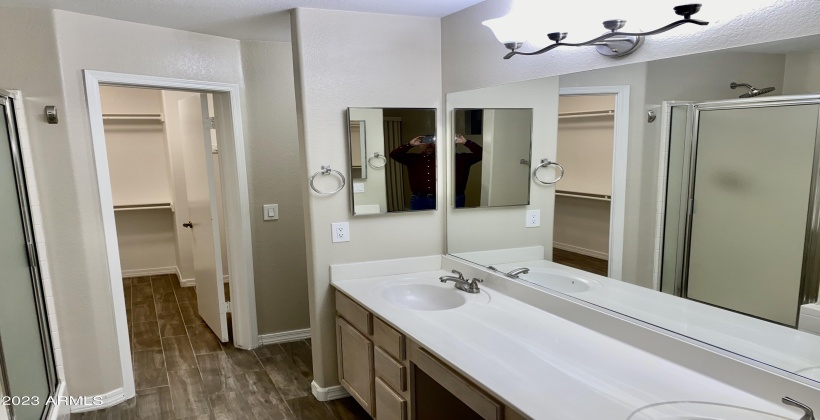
<point x="235" y="195"/>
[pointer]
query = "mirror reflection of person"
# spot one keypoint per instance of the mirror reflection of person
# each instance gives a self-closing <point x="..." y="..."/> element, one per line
<point x="421" y="168"/>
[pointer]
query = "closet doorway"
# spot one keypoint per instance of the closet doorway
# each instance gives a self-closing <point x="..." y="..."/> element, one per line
<point x="588" y="221"/>
<point x="170" y="164"/>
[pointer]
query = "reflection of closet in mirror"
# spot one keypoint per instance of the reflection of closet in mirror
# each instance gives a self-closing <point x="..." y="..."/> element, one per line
<point x="586" y="132"/>
<point x="358" y="150"/>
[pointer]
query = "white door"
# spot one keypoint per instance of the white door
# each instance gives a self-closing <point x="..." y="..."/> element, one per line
<point x="199" y="176"/>
<point x="507" y="139"/>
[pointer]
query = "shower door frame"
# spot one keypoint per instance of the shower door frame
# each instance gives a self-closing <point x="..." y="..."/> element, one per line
<point x="7" y="99"/>
<point x="810" y="271"/>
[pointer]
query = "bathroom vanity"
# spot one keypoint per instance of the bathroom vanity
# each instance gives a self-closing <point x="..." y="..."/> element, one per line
<point x="411" y="347"/>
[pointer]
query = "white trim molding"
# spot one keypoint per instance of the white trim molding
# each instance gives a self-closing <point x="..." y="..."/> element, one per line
<point x="617" y="216"/>
<point x="227" y="103"/>
<point x="140" y="272"/>
<point x="284" y="337"/>
<point x="583" y="251"/>
<point x="187" y="282"/>
<point x="60" y="411"/>
<point x="106" y="400"/>
<point x="328" y="394"/>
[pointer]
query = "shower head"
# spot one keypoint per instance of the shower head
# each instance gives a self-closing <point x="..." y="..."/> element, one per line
<point x="752" y="90"/>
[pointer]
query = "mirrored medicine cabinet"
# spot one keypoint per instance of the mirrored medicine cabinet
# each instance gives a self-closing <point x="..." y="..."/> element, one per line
<point x="393" y="156"/>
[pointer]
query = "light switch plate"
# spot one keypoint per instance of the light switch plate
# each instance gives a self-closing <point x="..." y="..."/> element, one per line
<point x="358" y="187"/>
<point x="340" y="232"/>
<point x="270" y="212"/>
<point x="533" y="218"/>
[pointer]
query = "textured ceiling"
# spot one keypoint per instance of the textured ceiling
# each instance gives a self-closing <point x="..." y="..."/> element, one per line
<point x="266" y="20"/>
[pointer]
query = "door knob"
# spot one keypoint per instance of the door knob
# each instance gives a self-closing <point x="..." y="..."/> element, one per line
<point x="188" y="225"/>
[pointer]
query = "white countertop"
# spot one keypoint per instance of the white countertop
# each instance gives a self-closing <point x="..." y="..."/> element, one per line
<point x="540" y="364"/>
<point x="775" y="345"/>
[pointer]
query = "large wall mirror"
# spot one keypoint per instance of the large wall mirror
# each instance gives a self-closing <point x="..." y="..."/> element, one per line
<point x="491" y="162"/>
<point x="392" y="159"/>
<point x="691" y="198"/>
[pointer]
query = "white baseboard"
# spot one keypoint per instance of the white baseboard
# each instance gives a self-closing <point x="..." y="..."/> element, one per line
<point x="582" y="251"/>
<point x="100" y="402"/>
<point x="284" y="337"/>
<point x="226" y="278"/>
<point x="192" y="282"/>
<point x="328" y="394"/>
<point x="149" y="271"/>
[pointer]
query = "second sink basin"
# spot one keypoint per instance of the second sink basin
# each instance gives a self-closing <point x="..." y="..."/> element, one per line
<point x="559" y="281"/>
<point x="696" y="410"/>
<point x="424" y="297"/>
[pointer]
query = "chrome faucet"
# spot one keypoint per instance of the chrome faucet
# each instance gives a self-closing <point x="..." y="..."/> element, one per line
<point x="513" y="274"/>
<point x="809" y="414"/>
<point x="461" y="283"/>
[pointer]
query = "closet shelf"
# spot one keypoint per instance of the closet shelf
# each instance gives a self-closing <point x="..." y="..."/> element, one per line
<point x="587" y="114"/>
<point x="149" y="206"/>
<point x="158" y="118"/>
<point x="575" y="194"/>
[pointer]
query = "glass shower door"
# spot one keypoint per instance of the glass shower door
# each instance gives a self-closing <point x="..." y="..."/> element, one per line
<point x="26" y="358"/>
<point x="750" y="209"/>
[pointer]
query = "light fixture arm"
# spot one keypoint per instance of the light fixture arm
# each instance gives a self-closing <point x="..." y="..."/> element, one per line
<point x="686" y="11"/>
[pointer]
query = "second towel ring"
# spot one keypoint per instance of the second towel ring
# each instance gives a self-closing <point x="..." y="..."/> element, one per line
<point x="327" y="171"/>
<point x="544" y="164"/>
<point x="377" y="155"/>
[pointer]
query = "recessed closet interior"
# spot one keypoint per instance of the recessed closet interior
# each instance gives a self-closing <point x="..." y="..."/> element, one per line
<point x="148" y="181"/>
<point x="586" y="132"/>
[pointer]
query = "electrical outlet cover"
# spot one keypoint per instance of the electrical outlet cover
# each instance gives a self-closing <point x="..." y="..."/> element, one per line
<point x="533" y="218"/>
<point x="340" y="232"/>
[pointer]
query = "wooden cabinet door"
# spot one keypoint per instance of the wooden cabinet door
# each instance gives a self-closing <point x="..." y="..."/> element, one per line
<point x="355" y="364"/>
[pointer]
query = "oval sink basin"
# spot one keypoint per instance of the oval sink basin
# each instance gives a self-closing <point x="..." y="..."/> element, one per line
<point x="693" y="410"/>
<point x="424" y="297"/>
<point x="561" y="282"/>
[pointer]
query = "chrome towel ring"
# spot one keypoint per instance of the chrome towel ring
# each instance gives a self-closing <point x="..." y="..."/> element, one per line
<point x="544" y="164"/>
<point x="377" y="155"/>
<point x="327" y="171"/>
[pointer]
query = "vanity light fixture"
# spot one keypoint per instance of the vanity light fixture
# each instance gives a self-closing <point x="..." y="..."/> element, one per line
<point x="611" y="44"/>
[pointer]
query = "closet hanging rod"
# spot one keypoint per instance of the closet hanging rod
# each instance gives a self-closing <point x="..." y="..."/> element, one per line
<point x="600" y="197"/>
<point x="587" y="114"/>
<point x="134" y="117"/>
<point x="151" y="206"/>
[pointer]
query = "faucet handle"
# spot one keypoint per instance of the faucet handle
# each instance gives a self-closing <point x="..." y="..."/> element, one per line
<point x="461" y="276"/>
<point x="475" y="279"/>
<point x="809" y="414"/>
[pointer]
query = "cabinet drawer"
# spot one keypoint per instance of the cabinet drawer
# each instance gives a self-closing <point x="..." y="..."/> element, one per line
<point x="389" y="404"/>
<point x="354" y="314"/>
<point x="389" y="339"/>
<point x="390" y="371"/>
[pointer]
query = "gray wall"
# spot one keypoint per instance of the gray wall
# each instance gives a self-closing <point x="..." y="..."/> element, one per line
<point x="349" y="59"/>
<point x="48" y="51"/>
<point x="30" y="64"/>
<point x="274" y="177"/>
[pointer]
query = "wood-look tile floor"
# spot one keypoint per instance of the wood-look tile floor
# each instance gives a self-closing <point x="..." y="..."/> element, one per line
<point x="182" y="371"/>
<point x="580" y="261"/>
